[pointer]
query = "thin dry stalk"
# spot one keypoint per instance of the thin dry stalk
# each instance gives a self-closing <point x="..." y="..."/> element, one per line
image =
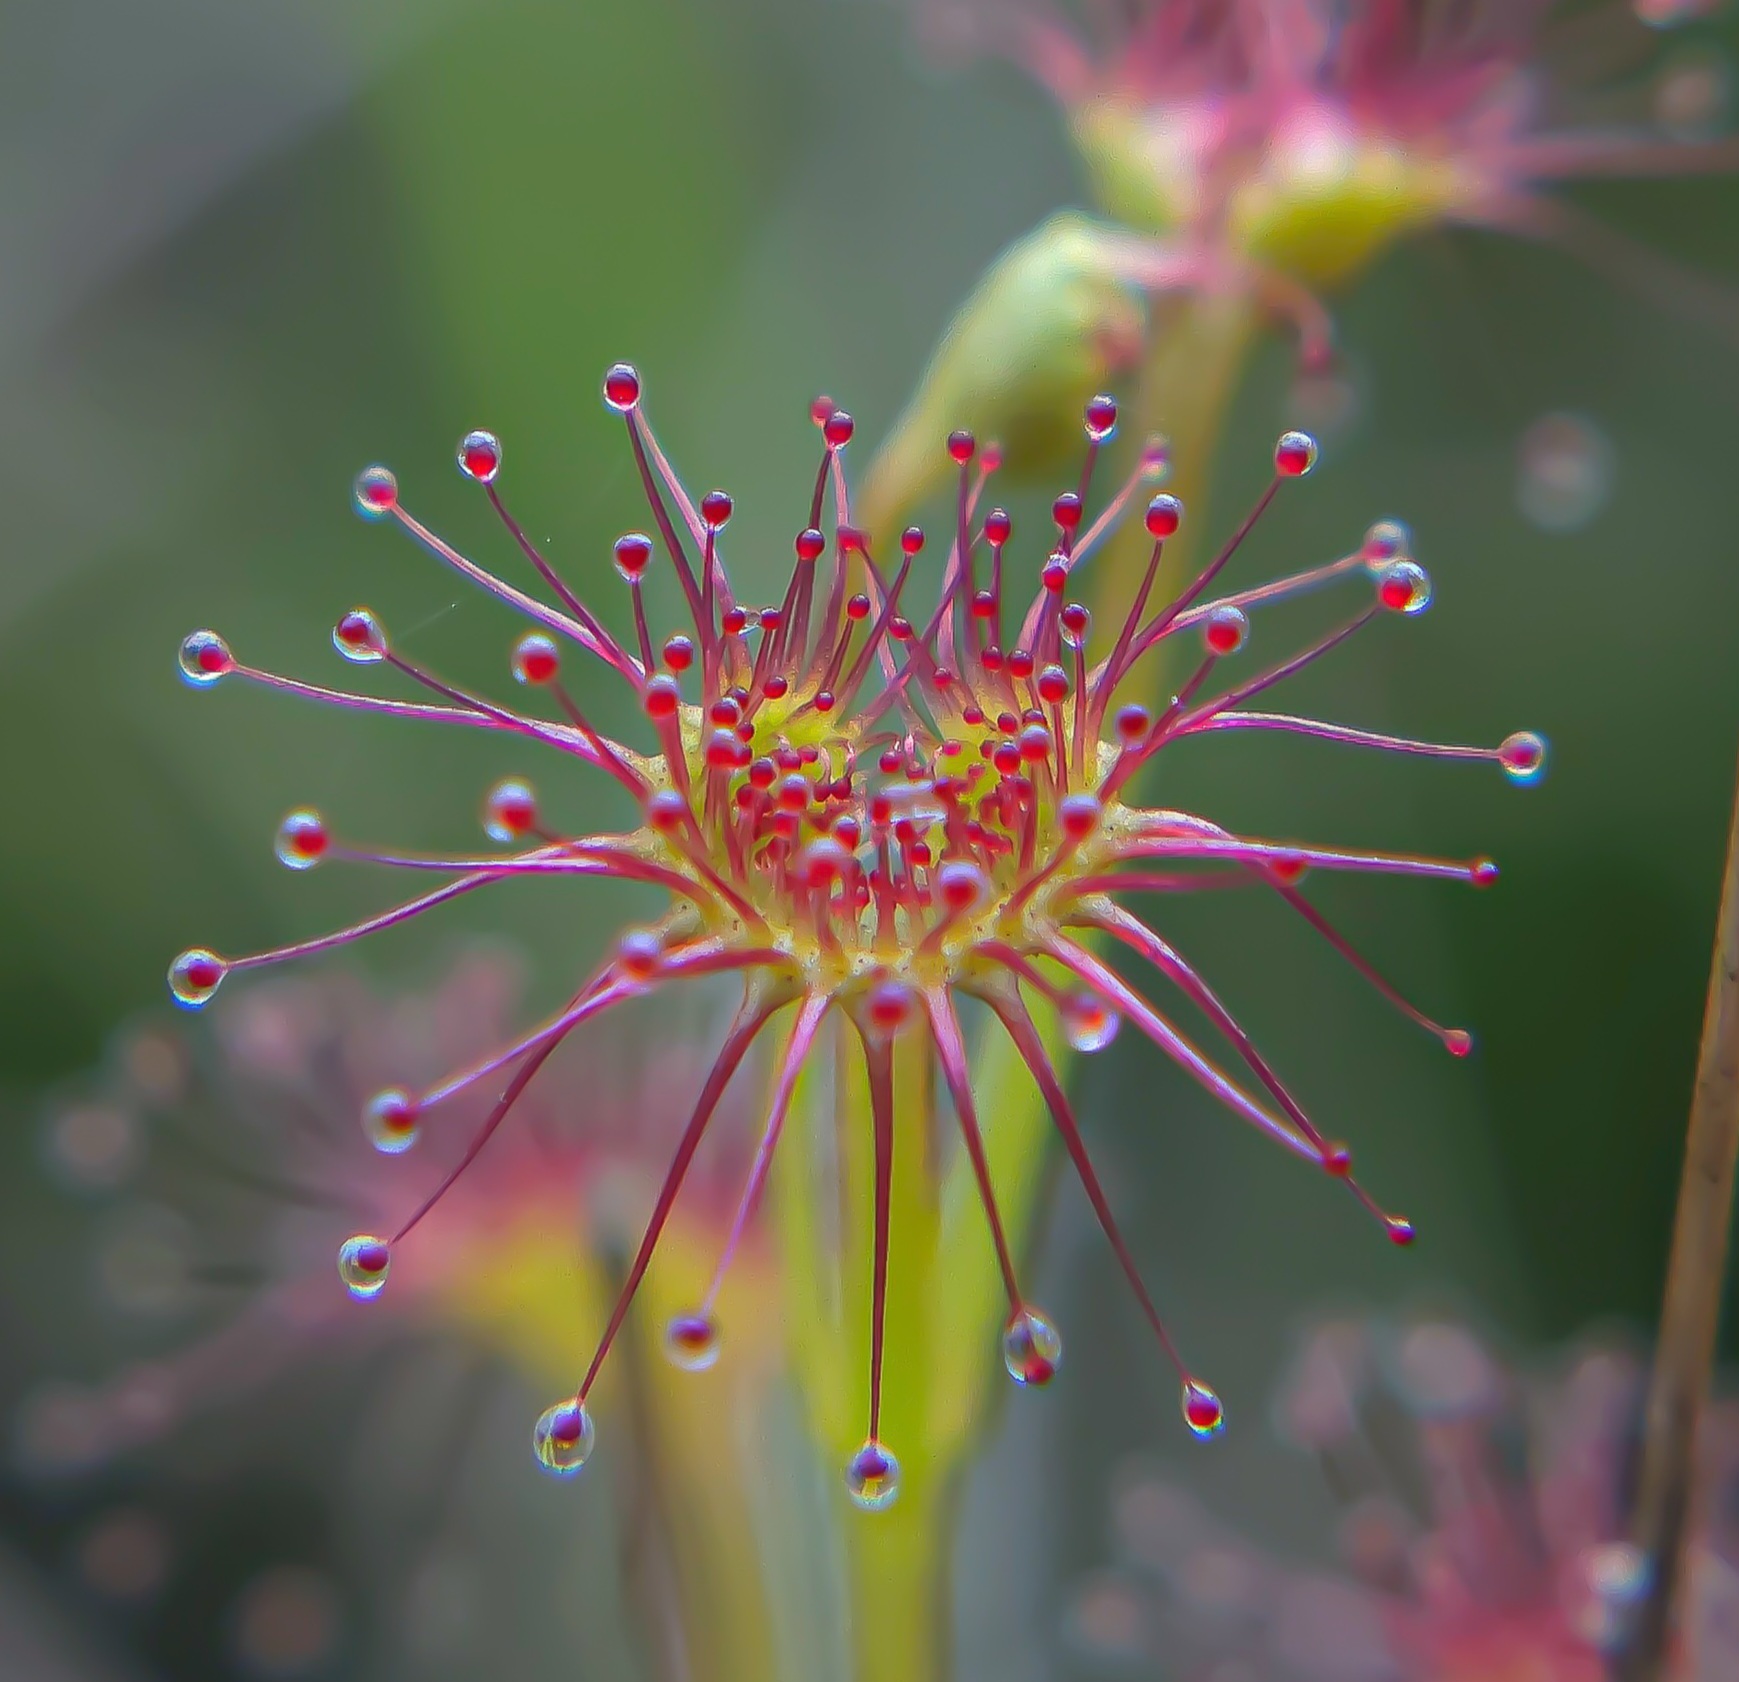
<point x="1690" y="1312"/>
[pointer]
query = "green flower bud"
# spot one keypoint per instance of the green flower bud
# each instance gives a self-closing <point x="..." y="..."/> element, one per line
<point x="1058" y="316"/>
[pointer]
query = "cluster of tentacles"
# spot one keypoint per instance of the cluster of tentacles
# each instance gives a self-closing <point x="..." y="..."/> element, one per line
<point x="870" y="813"/>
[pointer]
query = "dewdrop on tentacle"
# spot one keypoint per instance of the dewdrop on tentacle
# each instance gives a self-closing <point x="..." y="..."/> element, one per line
<point x="906" y="781"/>
<point x="363" y="1262"/>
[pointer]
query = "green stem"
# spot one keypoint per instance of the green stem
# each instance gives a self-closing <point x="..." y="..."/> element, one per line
<point x="899" y="1581"/>
<point x="946" y="1301"/>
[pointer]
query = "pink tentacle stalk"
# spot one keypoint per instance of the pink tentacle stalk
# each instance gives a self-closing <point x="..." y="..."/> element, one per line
<point x="1032" y="1349"/>
<point x="833" y="861"/>
<point x="1201" y="1406"/>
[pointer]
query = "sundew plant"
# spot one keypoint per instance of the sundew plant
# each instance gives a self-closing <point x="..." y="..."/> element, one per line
<point x="909" y="783"/>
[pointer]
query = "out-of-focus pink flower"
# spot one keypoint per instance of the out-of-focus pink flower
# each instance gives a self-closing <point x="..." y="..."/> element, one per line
<point x="1483" y="1525"/>
<point x="1300" y="138"/>
<point x="228" y="1163"/>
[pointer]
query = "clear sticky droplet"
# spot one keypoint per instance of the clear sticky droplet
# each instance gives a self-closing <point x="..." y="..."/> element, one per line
<point x="1564" y="471"/>
<point x="1523" y="756"/>
<point x="1032" y="1349"/>
<point x="1089" y="1025"/>
<point x="204" y="658"/>
<point x="563" y="1438"/>
<point x="195" y="976"/>
<point x="377" y="493"/>
<point x="1385" y="541"/>
<point x="1693" y="96"/>
<point x="302" y="840"/>
<point x="391" y="1121"/>
<point x="1202" y="1409"/>
<point x="872" y="1477"/>
<point x="363" y="1262"/>
<point x="692" y="1342"/>
<point x="1610" y="1582"/>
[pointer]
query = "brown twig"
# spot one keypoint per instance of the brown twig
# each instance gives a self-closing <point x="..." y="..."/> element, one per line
<point x="1691" y="1309"/>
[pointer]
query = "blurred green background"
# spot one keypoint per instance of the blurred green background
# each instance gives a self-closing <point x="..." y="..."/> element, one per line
<point x="250" y="250"/>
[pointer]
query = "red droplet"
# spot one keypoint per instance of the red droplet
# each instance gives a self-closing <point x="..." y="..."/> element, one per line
<point x="535" y="658"/>
<point x="1337" y="1160"/>
<point x="1075" y="621"/>
<point x="837" y="429"/>
<point x="622" y="387"/>
<point x="962" y="446"/>
<point x="679" y="653"/>
<point x="360" y="632"/>
<point x="1053" y="684"/>
<point x="662" y="697"/>
<point x="480" y="456"/>
<point x="1066" y="511"/>
<point x="305" y="835"/>
<point x="857" y="607"/>
<point x="1225" y="629"/>
<point x="666" y="809"/>
<point x="1295" y="454"/>
<point x="377" y="491"/>
<point x="1483" y="872"/>
<point x="997" y="526"/>
<point x="1079" y="815"/>
<point x="1459" y="1041"/>
<point x="639" y="953"/>
<point x="202" y="971"/>
<point x="1020" y="664"/>
<point x="1101" y="418"/>
<point x="633" y="552"/>
<point x="1132" y="723"/>
<point x="821" y="409"/>
<point x="213" y="657"/>
<point x="715" y="508"/>
<point x="1288" y="870"/>
<point x="912" y="539"/>
<point x="1400" y="1230"/>
<point x="1395" y="592"/>
<point x="1202" y="1409"/>
<point x="889" y="1004"/>
<point x="1055" y="576"/>
<point x="777" y="686"/>
<point x="1164" y="516"/>
<point x="733" y="621"/>
<point x="510" y="811"/>
<point x="809" y="545"/>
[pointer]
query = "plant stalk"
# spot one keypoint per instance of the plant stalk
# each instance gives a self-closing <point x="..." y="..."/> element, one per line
<point x="1691" y="1309"/>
